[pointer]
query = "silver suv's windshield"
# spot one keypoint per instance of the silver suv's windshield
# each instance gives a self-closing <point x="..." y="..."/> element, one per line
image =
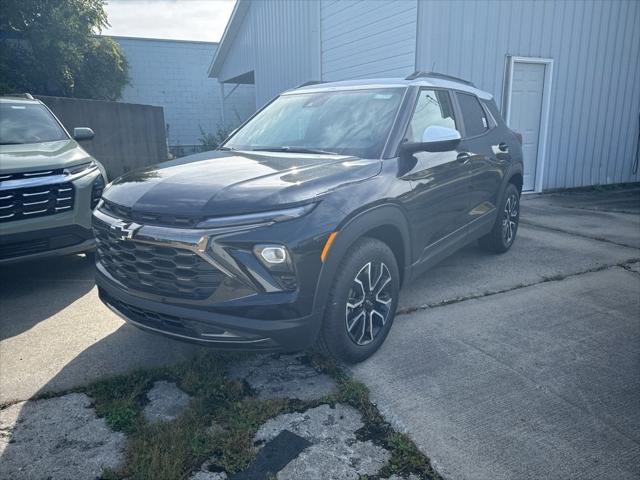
<point x="347" y="122"/>
<point x="28" y="123"/>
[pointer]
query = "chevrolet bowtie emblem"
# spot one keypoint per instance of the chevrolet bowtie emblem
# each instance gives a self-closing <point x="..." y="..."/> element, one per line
<point x="124" y="231"/>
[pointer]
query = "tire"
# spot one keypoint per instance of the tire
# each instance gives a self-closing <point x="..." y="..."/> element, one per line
<point x="503" y="233"/>
<point x="345" y="335"/>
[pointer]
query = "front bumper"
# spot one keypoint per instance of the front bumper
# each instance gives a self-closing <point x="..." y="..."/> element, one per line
<point x="207" y="286"/>
<point x="205" y="327"/>
<point x="63" y="233"/>
<point x="49" y="242"/>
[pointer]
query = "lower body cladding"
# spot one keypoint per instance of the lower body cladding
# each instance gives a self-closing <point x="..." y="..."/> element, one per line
<point x="208" y="287"/>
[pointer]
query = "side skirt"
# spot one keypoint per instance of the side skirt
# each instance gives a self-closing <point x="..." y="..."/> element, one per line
<point x="446" y="246"/>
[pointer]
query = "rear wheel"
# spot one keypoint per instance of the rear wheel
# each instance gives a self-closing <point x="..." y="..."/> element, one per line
<point x="503" y="234"/>
<point x="362" y="302"/>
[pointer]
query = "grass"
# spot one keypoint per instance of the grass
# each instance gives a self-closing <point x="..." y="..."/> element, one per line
<point x="223" y="418"/>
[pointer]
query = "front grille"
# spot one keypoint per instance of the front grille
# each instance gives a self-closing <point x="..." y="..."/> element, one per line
<point x="29" y="202"/>
<point x="128" y="214"/>
<point x="167" y="271"/>
<point x="23" y="175"/>
<point x="157" y="320"/>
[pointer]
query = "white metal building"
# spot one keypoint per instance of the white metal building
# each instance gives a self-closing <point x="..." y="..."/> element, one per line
<point x="173" y="74"/>
<point x="566" y="73"/>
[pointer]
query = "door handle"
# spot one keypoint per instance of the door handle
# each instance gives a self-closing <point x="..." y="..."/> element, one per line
<point x="463" y="157"/>
<point x="503" y="147"/>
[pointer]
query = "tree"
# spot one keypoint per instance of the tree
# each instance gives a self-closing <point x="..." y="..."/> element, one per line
<point x="49" y="47"/>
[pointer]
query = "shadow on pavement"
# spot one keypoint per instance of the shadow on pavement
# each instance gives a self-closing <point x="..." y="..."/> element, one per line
<point x="34" y="291"/>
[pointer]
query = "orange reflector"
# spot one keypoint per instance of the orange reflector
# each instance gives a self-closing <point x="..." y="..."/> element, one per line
<point x="327" y="245"/>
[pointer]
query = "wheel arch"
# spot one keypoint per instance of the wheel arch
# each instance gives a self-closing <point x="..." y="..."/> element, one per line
<point x="387" y="223"/>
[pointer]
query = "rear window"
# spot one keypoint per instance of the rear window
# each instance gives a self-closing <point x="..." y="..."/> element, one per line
<point x="28" y="123"/>
<point x="475" y="120"/>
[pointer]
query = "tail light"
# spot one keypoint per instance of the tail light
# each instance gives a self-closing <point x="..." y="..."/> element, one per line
<point x="518" y="136"/>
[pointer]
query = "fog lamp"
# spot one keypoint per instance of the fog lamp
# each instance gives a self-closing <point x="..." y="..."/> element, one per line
<point x="272" y="254"/>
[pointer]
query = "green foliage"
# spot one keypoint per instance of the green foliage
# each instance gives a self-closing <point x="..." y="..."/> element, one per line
<point x="49" y="47"/>
<point x="211" y="141"/>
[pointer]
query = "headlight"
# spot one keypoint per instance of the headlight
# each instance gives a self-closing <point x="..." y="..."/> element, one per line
<point x="82" y="168"/>
<point x="260" y="217"/>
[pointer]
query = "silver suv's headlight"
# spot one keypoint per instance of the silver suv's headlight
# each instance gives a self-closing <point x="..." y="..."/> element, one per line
<point x="272" y="216"/>
<point x="81" y="168"/>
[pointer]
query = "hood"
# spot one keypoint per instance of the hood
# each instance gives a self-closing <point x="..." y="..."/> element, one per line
<point x="229" y="183"/>
<point x="41" y="156"/>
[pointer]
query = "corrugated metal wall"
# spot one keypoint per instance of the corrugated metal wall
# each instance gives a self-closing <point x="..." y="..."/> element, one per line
<point x="371" y="38"/>
<point x="595" y="45"/>
<point x="595" y="98"/>
<point x="279" y="40"/>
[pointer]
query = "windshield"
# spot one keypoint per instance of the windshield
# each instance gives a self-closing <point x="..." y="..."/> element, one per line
<point x="28" y="123"/>
<point x="347" y="122"/>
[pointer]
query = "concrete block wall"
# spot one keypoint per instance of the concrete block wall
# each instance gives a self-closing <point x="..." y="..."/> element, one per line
<point x="173" y="74"/>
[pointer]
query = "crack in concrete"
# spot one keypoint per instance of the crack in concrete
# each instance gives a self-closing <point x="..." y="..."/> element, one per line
<point x="552" y="278"/>
<point x="597" y="239"/>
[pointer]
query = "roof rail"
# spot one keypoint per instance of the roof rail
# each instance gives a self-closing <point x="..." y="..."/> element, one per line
<point x="310" y="82"/>
<point x="28" y="96"/>
<point x="444" y="76"/>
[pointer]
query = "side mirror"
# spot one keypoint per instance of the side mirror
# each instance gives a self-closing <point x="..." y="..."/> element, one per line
<point x="434" y="139"/>
<point x="83" y="133"/>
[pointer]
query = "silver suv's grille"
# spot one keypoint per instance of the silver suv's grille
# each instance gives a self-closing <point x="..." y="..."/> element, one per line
<point x="167" y="271"/>
<point x="29" y="202"/>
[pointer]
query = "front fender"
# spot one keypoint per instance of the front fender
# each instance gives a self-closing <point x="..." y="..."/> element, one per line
<point x="349" y="231"/>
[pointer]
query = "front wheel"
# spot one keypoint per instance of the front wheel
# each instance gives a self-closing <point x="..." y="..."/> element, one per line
<point x="503" y="234"/>
<point x="362" y="303"/>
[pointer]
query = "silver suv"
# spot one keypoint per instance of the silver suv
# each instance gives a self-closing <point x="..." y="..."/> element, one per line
<point x="48" y="183"/>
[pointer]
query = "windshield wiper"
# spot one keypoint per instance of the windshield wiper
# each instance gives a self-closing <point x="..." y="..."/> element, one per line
<point x="11" y="143"/>
<point x="294" y="150"/>
<point x="226" y="148"/>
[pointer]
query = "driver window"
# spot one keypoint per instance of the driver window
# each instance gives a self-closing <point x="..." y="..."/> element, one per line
<point x="432" y="108"/>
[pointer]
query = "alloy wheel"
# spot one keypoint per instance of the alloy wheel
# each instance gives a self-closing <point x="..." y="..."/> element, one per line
<point x="510" y="219"/>
<point x="369" y="303"/>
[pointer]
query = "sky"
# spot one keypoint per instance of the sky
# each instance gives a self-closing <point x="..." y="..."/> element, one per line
<point x="202" y="20"/>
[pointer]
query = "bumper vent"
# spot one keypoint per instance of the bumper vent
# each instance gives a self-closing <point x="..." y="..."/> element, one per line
<point x="22" y="203"/>
<point x="166" y="271"/>
<point x="96" y="191"/>
<point x="156" y="320"/>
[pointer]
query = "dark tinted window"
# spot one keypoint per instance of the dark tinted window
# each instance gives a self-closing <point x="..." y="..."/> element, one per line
<point x="475" y="120"/>
<point x="28" y="123"/>
<point x="491" y="105"/>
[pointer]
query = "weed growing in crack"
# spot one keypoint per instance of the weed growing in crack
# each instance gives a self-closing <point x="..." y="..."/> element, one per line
<point x="223" y="418"/>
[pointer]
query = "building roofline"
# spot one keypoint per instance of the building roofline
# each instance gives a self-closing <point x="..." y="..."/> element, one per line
<point x="231" y="30"/>
<point x="149" y="39"/>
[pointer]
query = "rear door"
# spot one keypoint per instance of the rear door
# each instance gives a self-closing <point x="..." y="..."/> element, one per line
<point x="440" y="194"/>
<point x="486" y="154"/>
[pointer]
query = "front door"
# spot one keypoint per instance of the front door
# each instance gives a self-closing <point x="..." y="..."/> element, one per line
<point x="440" y="194"/>
<point x="525" y="114"/>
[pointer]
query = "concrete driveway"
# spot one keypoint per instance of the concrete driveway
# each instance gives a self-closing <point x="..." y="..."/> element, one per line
<point x="524" y="365"/>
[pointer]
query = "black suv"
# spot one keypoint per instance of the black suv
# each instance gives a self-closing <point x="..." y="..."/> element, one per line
<point x="302" y="227"/>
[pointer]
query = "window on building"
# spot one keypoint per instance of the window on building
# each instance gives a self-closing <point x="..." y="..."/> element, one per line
<point x="475" y="119"/>
<point x="433" y="108"/>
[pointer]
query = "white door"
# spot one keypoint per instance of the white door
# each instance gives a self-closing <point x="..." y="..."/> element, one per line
<point x="525" y="113"/>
